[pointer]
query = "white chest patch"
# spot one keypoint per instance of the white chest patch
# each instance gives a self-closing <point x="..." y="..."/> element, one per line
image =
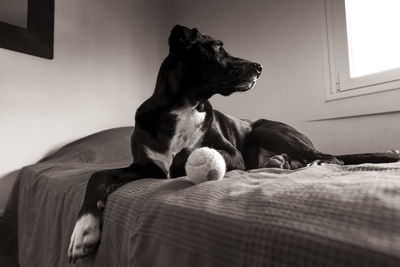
<point x="188" y="133"/>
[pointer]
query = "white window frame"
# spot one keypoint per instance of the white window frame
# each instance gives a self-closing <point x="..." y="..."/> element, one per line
<point x="341" y="85"/>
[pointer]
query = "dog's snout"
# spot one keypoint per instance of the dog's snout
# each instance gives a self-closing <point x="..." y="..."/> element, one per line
<point x="258" y="67"/>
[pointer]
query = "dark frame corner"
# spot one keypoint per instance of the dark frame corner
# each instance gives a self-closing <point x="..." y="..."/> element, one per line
<point x="38" y="38"/>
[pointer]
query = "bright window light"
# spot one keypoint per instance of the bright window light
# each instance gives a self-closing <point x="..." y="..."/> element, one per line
<point x="373" y="33"/>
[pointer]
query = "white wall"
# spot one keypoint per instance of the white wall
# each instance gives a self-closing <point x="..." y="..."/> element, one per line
<point x="287" y="38"/>
<point x="107" y="54"/>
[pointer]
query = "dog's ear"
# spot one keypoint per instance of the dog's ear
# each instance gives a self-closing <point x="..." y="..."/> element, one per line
<point x="181" y="39"/>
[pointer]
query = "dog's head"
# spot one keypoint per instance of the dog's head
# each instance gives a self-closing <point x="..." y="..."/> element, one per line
<point x="198" y="67"/>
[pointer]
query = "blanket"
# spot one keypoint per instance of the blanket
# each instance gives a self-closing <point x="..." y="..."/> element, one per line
<point x="324" y="215"/>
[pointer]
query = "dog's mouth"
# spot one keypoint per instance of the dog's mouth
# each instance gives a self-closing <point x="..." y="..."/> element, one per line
<point x="227" y="88"/>
<point x="245" y="86"/>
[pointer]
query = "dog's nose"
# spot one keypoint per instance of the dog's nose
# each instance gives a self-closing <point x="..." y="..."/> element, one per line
<point x="258" y="67"/>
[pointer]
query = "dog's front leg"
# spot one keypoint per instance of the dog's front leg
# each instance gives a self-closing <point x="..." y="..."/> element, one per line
<point x="87" y="231"/>
<point x="177" y="168"/>
<point x="233" y="158"/>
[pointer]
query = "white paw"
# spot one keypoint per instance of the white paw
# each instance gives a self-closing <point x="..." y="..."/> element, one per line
<point x="396" y="152"/>
<point x="278" y="161"/>
<point x="84" y="238"/>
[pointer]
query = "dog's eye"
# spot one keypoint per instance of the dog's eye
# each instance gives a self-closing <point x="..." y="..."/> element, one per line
<point x="219" y="47"/>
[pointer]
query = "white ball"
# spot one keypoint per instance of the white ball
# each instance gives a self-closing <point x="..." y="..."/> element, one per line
<point x="205" y="164"/>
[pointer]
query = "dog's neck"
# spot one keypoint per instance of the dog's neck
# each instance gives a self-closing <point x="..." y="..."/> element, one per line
<point x="156" y="114"/>
<point x="170" y="90"/>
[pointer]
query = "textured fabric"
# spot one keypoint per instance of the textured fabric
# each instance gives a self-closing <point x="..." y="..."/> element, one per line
<point x="317" y="216"/>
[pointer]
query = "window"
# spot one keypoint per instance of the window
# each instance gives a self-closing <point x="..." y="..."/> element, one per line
<point x="363" y="47"/>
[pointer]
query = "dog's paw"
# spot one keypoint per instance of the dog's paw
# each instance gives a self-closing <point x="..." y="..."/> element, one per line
<point x="396" y="153"/>
<point x="84" y="238"/>
<point x="278" y="161"/>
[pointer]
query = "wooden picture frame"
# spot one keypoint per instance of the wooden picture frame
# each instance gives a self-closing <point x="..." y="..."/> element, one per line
<point x="38" y="38"/>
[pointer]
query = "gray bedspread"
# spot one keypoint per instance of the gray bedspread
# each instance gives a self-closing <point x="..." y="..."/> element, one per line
<point x="317" y="216"/>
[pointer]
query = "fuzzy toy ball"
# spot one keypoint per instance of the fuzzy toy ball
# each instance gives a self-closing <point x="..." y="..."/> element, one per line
<point x="205" y="164"/>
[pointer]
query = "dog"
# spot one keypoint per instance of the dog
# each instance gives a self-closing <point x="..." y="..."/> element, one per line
<point x="178" y="118"/>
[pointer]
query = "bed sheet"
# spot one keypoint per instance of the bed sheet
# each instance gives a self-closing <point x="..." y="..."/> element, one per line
<point x="316" y="216"/>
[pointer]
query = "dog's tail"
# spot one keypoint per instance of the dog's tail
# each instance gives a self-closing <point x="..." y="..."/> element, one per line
<point x="383" y="157"/>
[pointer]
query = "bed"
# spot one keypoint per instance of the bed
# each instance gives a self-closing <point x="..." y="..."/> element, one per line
<point x="316" y="216"/>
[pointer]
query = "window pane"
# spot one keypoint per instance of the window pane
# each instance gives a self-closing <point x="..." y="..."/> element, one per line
<point x="373" y="33"/>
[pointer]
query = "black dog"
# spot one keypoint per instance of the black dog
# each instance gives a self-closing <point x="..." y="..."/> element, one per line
<point x="178" y="118"/>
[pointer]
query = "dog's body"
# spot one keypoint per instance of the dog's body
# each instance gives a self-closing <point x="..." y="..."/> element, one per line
<point x="178" y="118"/>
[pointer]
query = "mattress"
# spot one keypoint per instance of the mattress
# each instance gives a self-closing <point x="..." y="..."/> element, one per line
<point x="324" y="215"/>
